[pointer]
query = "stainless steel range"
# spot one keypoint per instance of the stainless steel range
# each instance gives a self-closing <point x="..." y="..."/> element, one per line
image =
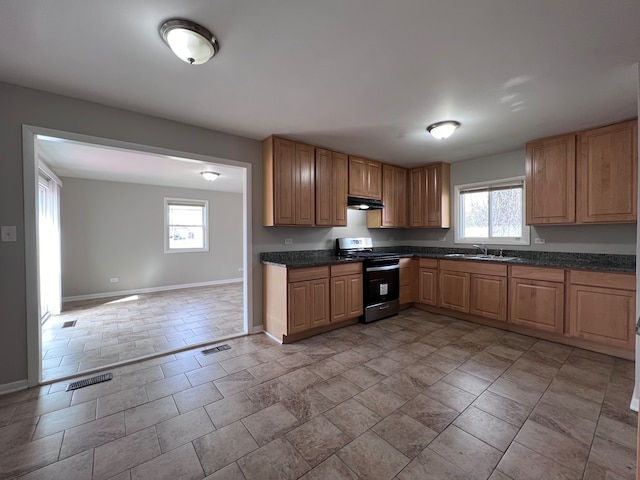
<point x="381" y="287"/>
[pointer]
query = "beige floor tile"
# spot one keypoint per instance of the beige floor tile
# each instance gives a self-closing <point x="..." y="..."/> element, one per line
<point x="350" y="359"/>
<point x="363" y="376"/>
<point x="196" y="397"/>
<point x="466" y="452"/>
<point x="487" y="428"/>
<point x="554" y="445"/>
<point x="300" y="379"/>
<point x="180" y="463"/>
<point x="231" y="409"/>
<point x="79" y="466"/>
<point x="237" y="364"/>
<point x="270" y="423"/>
<point x="235" y="383"/>
<point x="218" y="449"/>
<point x="206" y="374"/>
<point x="317" y="440"/>
<point x="124" y="453"/>
<point x="486" y="372"/>
<point x="277" y="460"/>
<point x="403" y="356"/>
<point x="597" y="472"/>
<point x="404" y="385"/>
<point x="430" y="412"/>
<point x="424" y="375"/>
<point x="268" y="393"/>
<point x="230" y="472"/>
<point x="29" y="456"/>
<point x="431" y="466"/>
<point x="167" y="386"/>
<point x="503" y="408"/>
<point x="118" y="402"/>
<point x="613" y="457"/>
<point x="404" y="433"/>
<point x="92" y="434"/>
<point x="380" y="399"/>
<point x="41" y="405"/>
<point x="337" y="389"/>
<point x="384" y="365"/>
<point x="467" y="382"/>
<point x="420" y="348"/>
<point x="149" y="414"/>
<point x="352" y="417"/>
<point x="450" y="396"/>
<point x="181" y="365"/>
<point x="332" y="468"/>
<point x="307" y="404"/>
<point x="17" y="433"/>
<point x="267" y="371"/>
<point x="522" y="463"/>
<point x="369" y="456"/>
<point x="327" y="368"/>
<point x="498" y="475"/>
<point x="69" y="417"/>
<point x="295" y="360"/>
<point x="619" y="432"/>
<point x="184" y="428"/>
<point x="141" y="377"/>
<point x="559" y="413"/>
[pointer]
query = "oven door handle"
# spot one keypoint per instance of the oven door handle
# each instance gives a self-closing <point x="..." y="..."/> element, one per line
<point x="381" y="269"/>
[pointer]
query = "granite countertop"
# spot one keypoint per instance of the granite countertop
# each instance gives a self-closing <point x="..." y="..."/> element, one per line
<point x="581" y="261"/>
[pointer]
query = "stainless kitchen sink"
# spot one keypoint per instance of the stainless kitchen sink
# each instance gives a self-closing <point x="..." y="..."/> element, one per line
<point x="474" y="256"/>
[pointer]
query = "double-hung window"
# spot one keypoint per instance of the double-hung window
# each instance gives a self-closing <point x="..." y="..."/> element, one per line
<point x="491" y="212"/>
<point x="186" y="225"/>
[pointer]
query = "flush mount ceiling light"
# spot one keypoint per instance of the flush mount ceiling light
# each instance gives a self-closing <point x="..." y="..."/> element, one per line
<point x="192" y="43"/>
<point x="210" y="176"/>
<point x="442" y="130"/>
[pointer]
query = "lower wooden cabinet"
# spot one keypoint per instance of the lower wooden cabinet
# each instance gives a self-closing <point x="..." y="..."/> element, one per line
<point x="308" y="299"/>
<point x="346" y="292"/>
<point x="602" y="308"/>
<point x="408" y="280"/>
<point x="488" y="296"/>
<point x="454" y="290"/>
<point x="536" y="298"/>
<point x="428" y="281"/>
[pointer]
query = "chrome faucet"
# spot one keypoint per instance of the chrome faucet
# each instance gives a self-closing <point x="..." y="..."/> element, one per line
<point x="483" y="248"/>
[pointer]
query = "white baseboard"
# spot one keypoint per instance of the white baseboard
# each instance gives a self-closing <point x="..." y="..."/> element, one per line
<point x="257" y="329"/>
<point x="120" y="293"/>
<point x="13" y="387"/>
<point x="273" y="337"/>
<point x="634" y="400"/>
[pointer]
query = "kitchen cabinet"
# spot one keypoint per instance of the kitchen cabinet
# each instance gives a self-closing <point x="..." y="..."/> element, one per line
<point x="394" y="199"/>
<point x="331" y="188"/>
<point x="473" y="287"/>
<point x="550" y="168"/>
<point x="365" y="178"/>
<point x="408" y="267"/>
<point x="429" y="196"/>
<point x="346" y="292"/>
<point x="607" y="182"/>
<point x="289" y="182"/>
<point x="602" y="308"/>
<point x="536" y="298"/>
<point x="428" y="281"/>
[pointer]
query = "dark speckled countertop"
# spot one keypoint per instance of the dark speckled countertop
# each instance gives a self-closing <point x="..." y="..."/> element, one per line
<point x="582" y="261"/>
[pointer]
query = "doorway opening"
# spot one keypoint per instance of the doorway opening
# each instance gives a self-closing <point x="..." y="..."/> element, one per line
<point x="129" y="297"/>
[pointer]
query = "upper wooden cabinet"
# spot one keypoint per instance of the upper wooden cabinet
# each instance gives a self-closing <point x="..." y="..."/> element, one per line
<point x="585" y="177"/>
<point x="429" y="196"/>
<point x="365" y="178"/>
<point x="289" y="182"/>
<point x="331" y="188"/>
<point x="607" y="174"/>
<point x="394" y="199"/>
<point x="551" y="180"/>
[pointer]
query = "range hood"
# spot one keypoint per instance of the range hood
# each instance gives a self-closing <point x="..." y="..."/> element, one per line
<point x="360" y="203"/>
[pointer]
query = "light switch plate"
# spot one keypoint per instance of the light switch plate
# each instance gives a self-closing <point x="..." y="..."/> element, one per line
<point x="8" y="233"/>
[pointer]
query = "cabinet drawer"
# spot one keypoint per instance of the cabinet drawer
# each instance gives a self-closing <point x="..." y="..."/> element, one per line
<point x="623" y="281"/>
<point x="479" y="267"/>
<point x="428" y="263"/>
<point x="346" y="269"/>
<point x="538" y="273"/>
<point x="304" y="274"/>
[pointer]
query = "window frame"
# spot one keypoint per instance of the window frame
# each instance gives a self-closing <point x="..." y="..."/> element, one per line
<point x="168" y="201"/>
<point x="525" y="239"/>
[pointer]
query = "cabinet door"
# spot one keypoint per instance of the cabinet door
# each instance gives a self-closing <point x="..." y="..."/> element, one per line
<point x="339" y="299"/>
<point x="603" y="315"/>
<point x="537" y="304"/>
<point x="389" y="212"/>
<point x="416" y="197"/>
<point x="358" y="177"/>
<point x="319" y="311"/>
<point x="454" y="290"/>
<point x="284" y="181"/>
<point x="488" y="296"/>
<point x="299" y="299"/>
<point x="355" y="296"/>
<point x="427" y="284"/>
<point x="607" y="174"/>
<point x="408" y="280"/>
<point x="551" y="178"/>
<point x="340" y="186"/>
<point x="374" y="180"/>
<point x="305" y="196"/>
<point x="324" y="190"/>
<point x="400" y="201"/>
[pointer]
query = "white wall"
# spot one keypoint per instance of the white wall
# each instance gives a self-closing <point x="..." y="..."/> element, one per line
<point x="615" y="239"/>
<point x="113" y="229"/>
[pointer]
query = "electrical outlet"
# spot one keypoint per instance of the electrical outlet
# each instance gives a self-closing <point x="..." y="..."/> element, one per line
<point x="288" y="241"/>
<point x="114" y="280"/>
<point x="539" y="241"/>
<point x="8" y="233"/>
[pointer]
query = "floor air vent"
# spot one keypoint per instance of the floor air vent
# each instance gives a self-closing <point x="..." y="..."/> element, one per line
<point x="90" y="381"/>
<point x="69" y="324"/>
<point x="219" y="348"/>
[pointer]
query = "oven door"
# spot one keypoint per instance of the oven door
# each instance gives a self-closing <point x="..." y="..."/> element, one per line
<point x="381" y="282"/>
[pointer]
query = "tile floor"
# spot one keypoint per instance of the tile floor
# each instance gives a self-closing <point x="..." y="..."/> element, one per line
<point x="118" y="329"/>
<point x="416" y="396"/>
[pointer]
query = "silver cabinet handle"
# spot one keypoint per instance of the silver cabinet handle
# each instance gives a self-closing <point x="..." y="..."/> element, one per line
<point x="381" y="269"/>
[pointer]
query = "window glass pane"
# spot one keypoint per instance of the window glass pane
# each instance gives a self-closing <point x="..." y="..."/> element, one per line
<point x="475" y="214"/>
<point x="185" y="215"/>
<point x="186" y="237"/>
<point x="506" y="212"/>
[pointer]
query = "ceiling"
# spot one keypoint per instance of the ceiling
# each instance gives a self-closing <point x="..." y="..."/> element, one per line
<point x="363" y="77"/>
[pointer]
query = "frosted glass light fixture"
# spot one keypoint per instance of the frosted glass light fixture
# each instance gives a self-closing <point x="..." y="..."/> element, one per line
<point x="442" y="130"/>
<point x="209" y="176"/>
<point x="192" y="43"/>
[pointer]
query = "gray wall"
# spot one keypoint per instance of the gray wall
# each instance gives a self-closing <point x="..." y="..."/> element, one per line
<point x="617" y="239"/>
<point x="113" y="229"/>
